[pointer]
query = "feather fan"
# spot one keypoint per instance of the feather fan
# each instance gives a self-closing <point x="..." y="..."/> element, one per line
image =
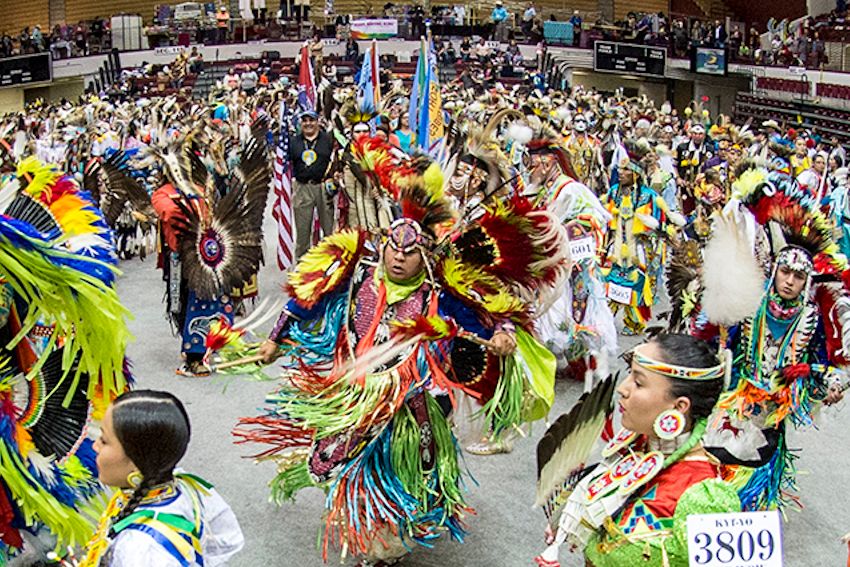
<point x="563" y="451"/>
<point x="222" y="244"/>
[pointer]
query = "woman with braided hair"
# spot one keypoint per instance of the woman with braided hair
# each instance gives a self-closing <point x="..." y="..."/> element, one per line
<point x="156" y="517"/>
<point x="632" y="508"/>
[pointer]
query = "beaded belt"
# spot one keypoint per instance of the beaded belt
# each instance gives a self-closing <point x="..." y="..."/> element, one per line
<point x="41" y="331"/>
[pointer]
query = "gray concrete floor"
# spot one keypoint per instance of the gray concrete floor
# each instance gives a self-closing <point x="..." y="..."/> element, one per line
<point x="506" y="532"/>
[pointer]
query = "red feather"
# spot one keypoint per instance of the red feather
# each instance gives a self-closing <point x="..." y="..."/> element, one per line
<point x="426" y="328"/>
<point x="794" y="371"/>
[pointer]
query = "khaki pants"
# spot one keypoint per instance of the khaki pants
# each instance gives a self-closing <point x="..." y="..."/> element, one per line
<point x="305" y="198"/>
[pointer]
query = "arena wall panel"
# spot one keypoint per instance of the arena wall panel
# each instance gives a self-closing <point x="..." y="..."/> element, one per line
<point x="623" y="7"/>
<point x="562" y="9"/>
<point x="11" y="100"/>
<point x="76" y="10"/>
<point x="17" y="14"/>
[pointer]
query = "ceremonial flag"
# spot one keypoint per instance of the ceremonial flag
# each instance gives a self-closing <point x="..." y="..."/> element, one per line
<point x="365" y="86"/>
<point x="426" y="106"/>
<point x="415" y="92"/>
<point x="306" y="83"/>
<point x="282" y="184"/>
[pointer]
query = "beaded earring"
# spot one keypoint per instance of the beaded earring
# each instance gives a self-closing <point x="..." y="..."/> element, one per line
<point x="669" y="424"/>
<point x="134" y="479"/>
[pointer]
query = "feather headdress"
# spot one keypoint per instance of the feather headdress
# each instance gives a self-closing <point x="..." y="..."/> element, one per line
<point x="481" y="150"/>
<point x="773" y="196"/>
<point x="547" y="140"/>
<point x="415" y="185"/>
<point x="357" y="112"/>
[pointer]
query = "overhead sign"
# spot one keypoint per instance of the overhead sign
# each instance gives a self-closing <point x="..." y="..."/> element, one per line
<point x="709" y="61"/>
<point x="26" y="70"/>
<point x="627" y="58"/>
<point x="742" y="539"/>
<point x="374" y="29"/>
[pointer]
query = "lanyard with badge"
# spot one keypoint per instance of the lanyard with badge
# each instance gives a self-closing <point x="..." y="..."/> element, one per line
<point x="308" y="156"/>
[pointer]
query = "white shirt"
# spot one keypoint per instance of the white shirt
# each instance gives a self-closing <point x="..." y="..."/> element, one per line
<point x="809" y="179"/>
<point x="222" y="536"/>
<point x="460" y="13"/>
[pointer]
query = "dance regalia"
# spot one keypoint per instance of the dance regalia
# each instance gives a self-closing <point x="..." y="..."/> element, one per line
<point x="776" y="353"/>
<point x="579" y="325"/>
<point x="124" y="202"/>
<point x="65" y="334"/>
<point x="839" y="212"/>
<point x="632" y="507"/>
<point x="584" y="151"/>
<point x="691" y="158"/>
<point x="374" y="365"/>
<point x="210" y="243"/>
<point x="787" y="352"/>
<point x="651" y="528"/>
<point x="640" y="219"/>
<point x="190" y="314"/>
<point x="182" y="523"/>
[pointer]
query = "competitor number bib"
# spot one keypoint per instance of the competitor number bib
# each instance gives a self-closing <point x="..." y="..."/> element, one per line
<point x="742" y="539"/>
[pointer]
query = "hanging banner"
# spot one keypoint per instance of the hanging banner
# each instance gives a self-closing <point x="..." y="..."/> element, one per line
<point x="374" y="29"/>
<point x="169" y="50"/>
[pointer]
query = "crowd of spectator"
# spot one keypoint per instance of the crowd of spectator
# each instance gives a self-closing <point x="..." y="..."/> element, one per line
<point x="65" y="40"/>
<point x="803" y="46"/>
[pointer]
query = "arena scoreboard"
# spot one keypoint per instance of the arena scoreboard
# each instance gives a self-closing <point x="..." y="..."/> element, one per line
<point x="26" y="70"/>
<point x="629" y="59"/>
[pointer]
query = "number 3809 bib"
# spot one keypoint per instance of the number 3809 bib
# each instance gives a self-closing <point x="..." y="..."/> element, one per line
<point x="742" y="539"/>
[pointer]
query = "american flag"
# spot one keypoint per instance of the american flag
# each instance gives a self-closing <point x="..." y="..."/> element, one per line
<point x="282" y="183"/>
<point x="306" y="84"/>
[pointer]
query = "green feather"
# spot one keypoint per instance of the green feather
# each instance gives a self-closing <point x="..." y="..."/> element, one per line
<point x="289" y="481"/>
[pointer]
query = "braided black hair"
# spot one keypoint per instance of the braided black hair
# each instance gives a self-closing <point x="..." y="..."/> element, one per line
<point x="153" y="429"/>
<point x="685" y="350"/>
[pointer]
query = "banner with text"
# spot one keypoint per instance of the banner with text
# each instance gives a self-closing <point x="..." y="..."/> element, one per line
<point x="374" y="29"/>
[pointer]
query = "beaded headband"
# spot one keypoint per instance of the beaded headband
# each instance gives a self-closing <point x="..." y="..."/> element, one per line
<point x="406" y="235"/>
<point x="795" y="258"/>
<point x="679" y="372"/>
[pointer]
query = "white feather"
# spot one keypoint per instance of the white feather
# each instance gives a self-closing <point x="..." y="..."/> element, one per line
<point x="20" y="145"/>
<point x="842" y="308"/>
<point x="87" y="243"/>
<point x="676" y="218"/>
<point x="8" y="193"/>
<point x="43" y="466"/>
<point x="649" y="221"/>
<point x="519" y="133"/>
<point x="734" y="282"/>
<point x="563" y="113"/>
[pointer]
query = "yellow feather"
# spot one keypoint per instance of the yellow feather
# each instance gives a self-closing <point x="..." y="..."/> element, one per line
<point x="41" y="175"/>
<point x="322" y="267"/>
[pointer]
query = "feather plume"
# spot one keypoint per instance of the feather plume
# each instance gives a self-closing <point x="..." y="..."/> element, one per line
<point x="733" y="280"/>
<point x="684" y="285"/>
<point x="222" y="244"/>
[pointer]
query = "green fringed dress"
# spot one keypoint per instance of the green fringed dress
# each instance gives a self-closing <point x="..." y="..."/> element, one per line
<point x="654" y="524"/>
